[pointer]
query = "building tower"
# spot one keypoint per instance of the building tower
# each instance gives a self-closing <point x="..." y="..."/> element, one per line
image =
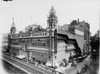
<point x="52" y="26"/>
<point x="13" y="28"/>
<point x="52" y="19"/>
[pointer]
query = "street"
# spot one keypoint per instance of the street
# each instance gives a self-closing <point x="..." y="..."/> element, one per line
<point x="78" y="67"/>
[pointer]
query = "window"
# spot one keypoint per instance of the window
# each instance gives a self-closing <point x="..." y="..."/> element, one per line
<point x="49" y="57"/>
<point x="66" y="48"/>
<point x="43" y="63"/>
<point x="40" y="33"/>
<point x="55" y="57"/>
<point x="45" y="33"/>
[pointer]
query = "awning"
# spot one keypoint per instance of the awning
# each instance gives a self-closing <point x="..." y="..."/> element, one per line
<point x="49" y="63"/>
<point x="21" y="56"/>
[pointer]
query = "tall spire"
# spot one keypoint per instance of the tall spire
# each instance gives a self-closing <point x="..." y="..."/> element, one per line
<point x="13" y="24"/>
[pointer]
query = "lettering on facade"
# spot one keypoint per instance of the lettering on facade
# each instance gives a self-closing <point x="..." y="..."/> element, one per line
<point x="39" y="42"/>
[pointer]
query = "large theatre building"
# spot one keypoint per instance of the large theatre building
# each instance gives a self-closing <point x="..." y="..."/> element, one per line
<point x="51" y="44"/>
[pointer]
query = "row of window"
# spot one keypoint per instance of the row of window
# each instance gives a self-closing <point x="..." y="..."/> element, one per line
<point x="28" y="35"/>
<point x="32" y="42"/>
<point x="39" y="44"/>
<point x="40" y="55"/>
<point x="29" y="40"/>
<point x="40" y="34"/>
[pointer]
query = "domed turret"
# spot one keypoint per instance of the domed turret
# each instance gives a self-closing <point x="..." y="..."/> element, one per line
<point x="13" y="28"/>
<point x="52" y="19"/>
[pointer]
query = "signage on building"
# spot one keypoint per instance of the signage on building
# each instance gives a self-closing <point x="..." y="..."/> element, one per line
<point x="39" y="42"/>
<point x="55" y="41"/>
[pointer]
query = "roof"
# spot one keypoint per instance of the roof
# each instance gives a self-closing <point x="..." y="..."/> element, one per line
<point x="70" y="35"/>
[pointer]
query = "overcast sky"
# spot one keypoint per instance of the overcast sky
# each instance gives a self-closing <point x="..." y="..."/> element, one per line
<point x="26" y="12"/>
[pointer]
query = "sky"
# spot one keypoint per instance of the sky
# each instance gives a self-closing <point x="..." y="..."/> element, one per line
<point x="27" y="12"/>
